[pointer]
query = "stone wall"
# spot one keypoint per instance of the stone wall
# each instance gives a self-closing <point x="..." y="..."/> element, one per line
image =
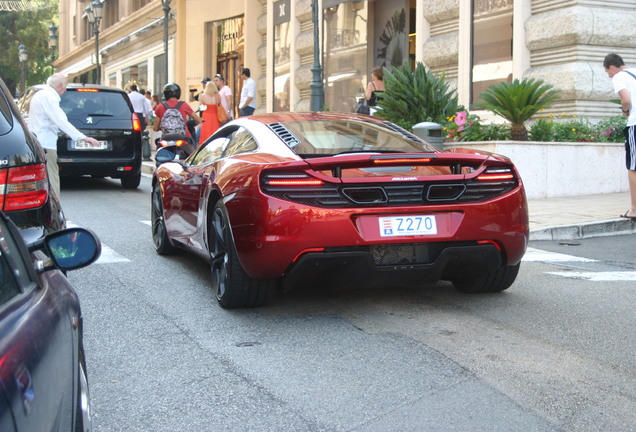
<point x="559" y="169"/>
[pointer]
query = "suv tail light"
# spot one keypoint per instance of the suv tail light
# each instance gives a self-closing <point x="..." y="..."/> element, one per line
<point x="23" y="187"/>
<point x="136" y="123"/>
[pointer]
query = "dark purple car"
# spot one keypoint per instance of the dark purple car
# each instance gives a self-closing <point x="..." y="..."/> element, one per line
<point x="43" y="384"/>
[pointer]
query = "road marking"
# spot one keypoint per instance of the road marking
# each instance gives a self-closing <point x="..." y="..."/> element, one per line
<point x="146" y="222"/>
<point x="599" y="276"/>
<point x="108" y="255"/>
<point x="534" y="255"/>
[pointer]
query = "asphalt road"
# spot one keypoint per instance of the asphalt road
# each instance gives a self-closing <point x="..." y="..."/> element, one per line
<point x="552" y="353"/>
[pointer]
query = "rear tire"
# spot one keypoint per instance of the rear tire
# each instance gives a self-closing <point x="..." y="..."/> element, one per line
<point x="495" y="281"/>
<point x="131" y="182"/>
<point x="159" y="232"/>
<point x="233" y="288"/>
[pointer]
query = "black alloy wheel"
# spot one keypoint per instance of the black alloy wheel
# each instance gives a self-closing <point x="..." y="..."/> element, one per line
<point x="159" y="232"/>
<point x="233" y="288"/>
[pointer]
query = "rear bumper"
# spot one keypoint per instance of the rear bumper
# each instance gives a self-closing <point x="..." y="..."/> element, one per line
<point x="112" y="167"/>
<point x="272" y="236"/>
<point x="366" y="267"/>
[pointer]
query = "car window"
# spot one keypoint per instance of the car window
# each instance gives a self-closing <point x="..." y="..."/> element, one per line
<point x="76" y="103"/>
<point x="211" y="151"/>
<point x="6" y="119"/>
<point x="333" y="137"/>
<point x="14" y="273"/>
<point x="242" y="142"/>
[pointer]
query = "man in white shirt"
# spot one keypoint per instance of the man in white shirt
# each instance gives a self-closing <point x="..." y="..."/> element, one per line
<point x="247" y="105"/>
<point x="226" y="94"/>
<point x="46" y="118"/>
<point x="141" y="105"/>
<point x="624" y="82"/>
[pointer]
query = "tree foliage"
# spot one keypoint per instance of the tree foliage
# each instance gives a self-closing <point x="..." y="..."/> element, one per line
<point x="518" y="101"/>
<point x="414" y="96"/>
<point x="31" y="28"/>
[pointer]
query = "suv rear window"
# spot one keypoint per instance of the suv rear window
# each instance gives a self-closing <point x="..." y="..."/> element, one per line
<point x="80" y="103"/>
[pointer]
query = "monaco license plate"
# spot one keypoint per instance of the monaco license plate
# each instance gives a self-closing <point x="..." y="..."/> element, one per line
<point x="419" y="225"/>
<point x="83" y="145"/>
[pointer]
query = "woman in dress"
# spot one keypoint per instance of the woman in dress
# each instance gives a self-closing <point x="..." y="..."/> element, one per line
<point x="210" y="97"/>
<point x="375" y="88"/>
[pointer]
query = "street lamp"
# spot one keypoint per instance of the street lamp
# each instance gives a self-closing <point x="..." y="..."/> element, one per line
<point x="23" y="54"/>
<point x="317" y="91"/>
<point x="52" y="41"/>
<point x="166" y="17"/>
<point x="95" y="11"/>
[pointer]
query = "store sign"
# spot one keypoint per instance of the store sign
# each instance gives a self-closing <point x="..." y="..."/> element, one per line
<point x="282" y="11"/>
<point x="489" y="6"/>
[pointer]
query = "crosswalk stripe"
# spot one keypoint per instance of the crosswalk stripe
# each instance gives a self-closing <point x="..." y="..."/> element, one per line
<point x="599" y="276"/>
<point x="534" y="255"/>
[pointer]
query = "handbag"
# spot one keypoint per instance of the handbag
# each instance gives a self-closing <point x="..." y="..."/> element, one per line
<point x="363" y="108"/>
<point x="221" y="114"/>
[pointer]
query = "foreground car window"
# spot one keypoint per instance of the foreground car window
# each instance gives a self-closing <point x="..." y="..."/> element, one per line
<point x="333" y="137"/>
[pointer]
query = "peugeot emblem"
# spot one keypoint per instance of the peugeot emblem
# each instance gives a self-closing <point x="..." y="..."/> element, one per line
<point x="89" y="120"/>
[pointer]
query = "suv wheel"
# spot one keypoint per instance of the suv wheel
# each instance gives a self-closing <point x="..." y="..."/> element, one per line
<point x="131" y="182"/>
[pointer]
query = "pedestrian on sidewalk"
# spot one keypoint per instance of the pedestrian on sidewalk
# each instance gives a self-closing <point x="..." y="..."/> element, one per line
<point x="247" y="104"/>
<point x="46" y="118"/>
<point x="141" y="105"/>
<point x="624" y="82"/>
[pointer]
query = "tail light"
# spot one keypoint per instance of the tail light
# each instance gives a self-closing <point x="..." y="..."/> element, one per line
<point x="136" y="123"/>
<point x="24" y="187"/>
<point x="178" y="143"/>
<point x="291" y="179"/>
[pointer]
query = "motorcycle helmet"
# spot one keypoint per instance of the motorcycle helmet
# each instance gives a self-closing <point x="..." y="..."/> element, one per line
<point x="171" y="90"/>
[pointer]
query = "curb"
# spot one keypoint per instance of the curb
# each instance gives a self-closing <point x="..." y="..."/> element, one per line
<point x="585" y="230"/>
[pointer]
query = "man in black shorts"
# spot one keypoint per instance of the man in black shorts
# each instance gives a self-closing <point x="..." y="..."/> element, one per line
<point x="624" y="82"/>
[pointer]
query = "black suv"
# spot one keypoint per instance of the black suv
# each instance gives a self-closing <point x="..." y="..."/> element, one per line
<point x="106" y="114"/>
<point x="25" y="193"/>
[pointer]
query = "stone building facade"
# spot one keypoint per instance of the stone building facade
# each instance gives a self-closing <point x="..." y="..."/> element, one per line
<point x="474" y="42"/>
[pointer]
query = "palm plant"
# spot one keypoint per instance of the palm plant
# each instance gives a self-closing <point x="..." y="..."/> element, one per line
<point x="517" y="102"/>
<point x="414" y="96"/>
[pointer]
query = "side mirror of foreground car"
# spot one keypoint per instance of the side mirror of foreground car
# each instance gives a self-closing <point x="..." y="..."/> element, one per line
<point x="68" y="249"/>
<point x="166" y="154"/>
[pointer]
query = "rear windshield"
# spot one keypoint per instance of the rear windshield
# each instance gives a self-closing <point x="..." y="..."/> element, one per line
<point x="323" y="137"/>
<point x="95" y="103"/>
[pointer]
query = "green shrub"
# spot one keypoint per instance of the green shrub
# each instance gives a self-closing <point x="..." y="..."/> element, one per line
<point x="564" y="128"/>
<point x="469" y="127"/>
<point x="517" y="102"/>
<point x="414" y="96"/>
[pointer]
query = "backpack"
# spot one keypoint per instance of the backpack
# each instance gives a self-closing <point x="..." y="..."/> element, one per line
<point x="172" y="120"/>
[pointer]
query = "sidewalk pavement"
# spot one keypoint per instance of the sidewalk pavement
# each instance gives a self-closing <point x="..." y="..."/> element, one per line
<point x="565" y="218"/>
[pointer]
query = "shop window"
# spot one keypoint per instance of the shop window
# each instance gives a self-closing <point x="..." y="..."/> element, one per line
<point x="282" y="47"/>
<point x="492" y="45"/>
<point x="345" y="53"/>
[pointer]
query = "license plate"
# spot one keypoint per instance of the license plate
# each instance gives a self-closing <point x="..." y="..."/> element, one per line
<point x="419" y="225"/>
<point x="83" y="145"/>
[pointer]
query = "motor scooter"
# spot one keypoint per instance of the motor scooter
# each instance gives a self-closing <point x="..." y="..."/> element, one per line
<point x="179" y="145"/>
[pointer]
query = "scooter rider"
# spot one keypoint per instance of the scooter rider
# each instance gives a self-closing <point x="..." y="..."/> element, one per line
<point x="172" y="94"/>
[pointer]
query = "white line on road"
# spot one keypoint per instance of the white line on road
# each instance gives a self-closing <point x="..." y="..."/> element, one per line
<point x="599" y="276"/>
<point x="533" y="255"/>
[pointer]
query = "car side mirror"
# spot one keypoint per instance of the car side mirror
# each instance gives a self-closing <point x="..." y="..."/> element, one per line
<point x="165" y="155"/>
<point x="68" y="249"/>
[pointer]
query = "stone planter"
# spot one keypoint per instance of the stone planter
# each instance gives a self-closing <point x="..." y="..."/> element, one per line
<point x="559" y="169"/>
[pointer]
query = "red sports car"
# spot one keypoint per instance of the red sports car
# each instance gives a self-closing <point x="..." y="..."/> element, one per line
<point x="293" y="198"/>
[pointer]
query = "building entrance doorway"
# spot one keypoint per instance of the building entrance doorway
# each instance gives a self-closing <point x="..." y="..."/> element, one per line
<point x="228" y="66"/>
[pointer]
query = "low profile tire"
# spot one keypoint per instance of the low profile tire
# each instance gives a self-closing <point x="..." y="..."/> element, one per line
<point x="82" y="403"/>
<point x="131" y="182"/>
<point x="159" y="232"/>
<point x="495" y="281"/>
<point x="232" y="286"/>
